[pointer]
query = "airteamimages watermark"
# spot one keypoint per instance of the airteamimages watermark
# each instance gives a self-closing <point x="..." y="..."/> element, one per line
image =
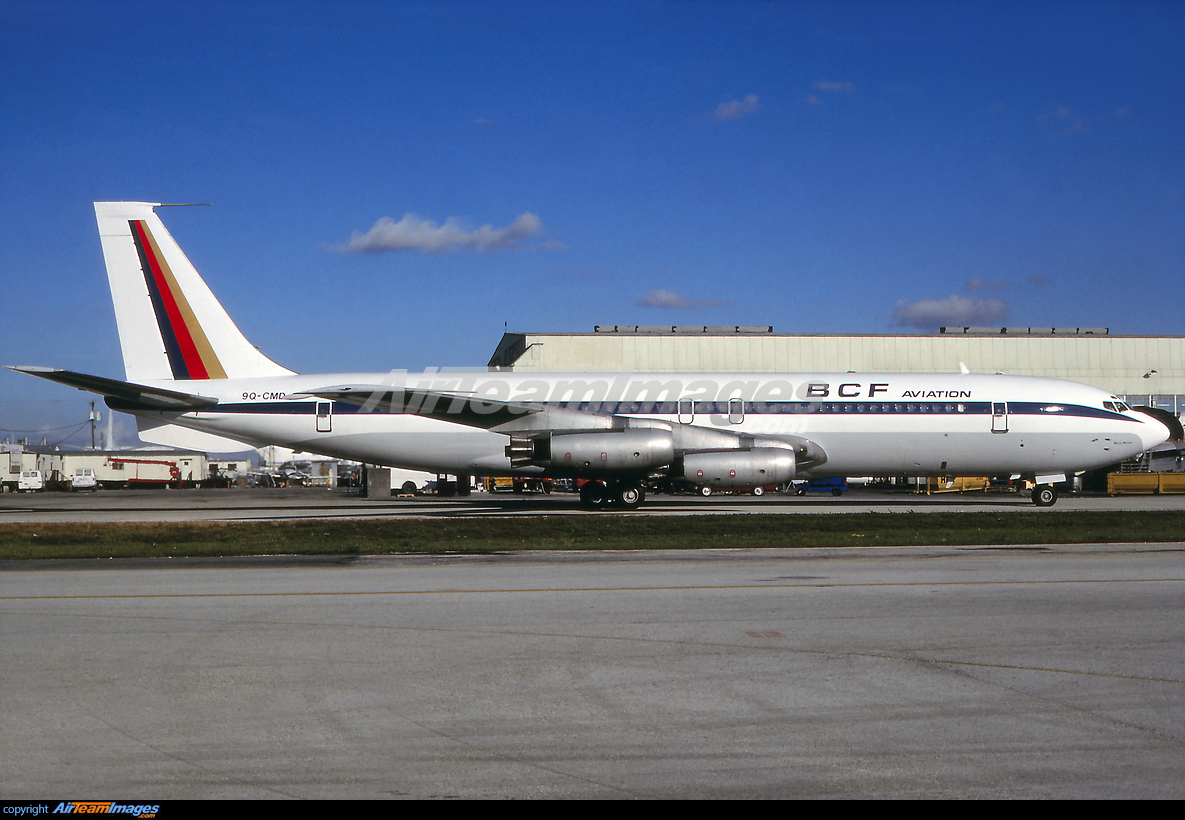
<point x="35" y="809"/>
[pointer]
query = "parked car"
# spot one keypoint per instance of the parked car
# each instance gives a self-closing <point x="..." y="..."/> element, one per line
<point x="836" y="486"/>
<point x="84" y="479"/>
<point x="30" y="482"/>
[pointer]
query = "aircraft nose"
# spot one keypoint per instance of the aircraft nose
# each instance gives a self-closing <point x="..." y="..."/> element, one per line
<point x="1158" y="426"/>
<point x="1153" y="433"/>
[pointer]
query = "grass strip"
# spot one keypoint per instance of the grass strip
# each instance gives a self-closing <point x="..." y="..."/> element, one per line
<point x="601" y="532"/>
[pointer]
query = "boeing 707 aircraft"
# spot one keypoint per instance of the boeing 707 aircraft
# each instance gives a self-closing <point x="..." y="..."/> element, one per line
<point x="193" y="380"/>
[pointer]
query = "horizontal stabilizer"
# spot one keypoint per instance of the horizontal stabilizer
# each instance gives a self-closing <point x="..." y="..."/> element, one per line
<point x="131" y="396"/>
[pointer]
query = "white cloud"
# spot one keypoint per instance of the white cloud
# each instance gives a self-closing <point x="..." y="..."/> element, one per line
<point x="735" y="109"/>
<point x="663" y="298"/>
<point x="413" y="233"/>
<point x="837" y="87"/>
<point x="954" y="311"/>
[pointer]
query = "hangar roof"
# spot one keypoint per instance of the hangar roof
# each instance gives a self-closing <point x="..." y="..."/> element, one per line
<point x="1121" y="364"/>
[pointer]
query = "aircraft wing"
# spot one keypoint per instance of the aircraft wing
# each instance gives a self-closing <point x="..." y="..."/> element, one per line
<point x="128" y="394"/>
<point x="475" y="410"/>
<point x="469" y="409"/>
<point x="523" y="421"/>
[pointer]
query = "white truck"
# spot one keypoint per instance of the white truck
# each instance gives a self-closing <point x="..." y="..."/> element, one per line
<point x="30" y="481"/>
<point x="84" y="478"/>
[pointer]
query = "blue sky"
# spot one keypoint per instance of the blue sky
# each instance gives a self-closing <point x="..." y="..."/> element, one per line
<point x="394" y="183"/>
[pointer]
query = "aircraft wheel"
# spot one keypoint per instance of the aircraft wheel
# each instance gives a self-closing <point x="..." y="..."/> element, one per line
<point x="594" y="494"/>
<point x="759" y="491"/>
<point x="705" y="491"/>
<point x="629" y="495"/>
<point x="1044" y="495"/>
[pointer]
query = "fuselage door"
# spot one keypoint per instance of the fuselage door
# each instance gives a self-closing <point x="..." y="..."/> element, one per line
<point x="324" y="417"/>
<point x="686" y="411"/>
<point x="999" y="417"/>
<point x="736" y="411"/>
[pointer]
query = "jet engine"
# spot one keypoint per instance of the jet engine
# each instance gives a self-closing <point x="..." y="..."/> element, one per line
<point x="636" y="451"/>
<point x="740" y="469"/>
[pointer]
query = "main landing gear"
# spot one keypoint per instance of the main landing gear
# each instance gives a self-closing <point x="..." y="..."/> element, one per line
<point x="627" y="495"/>
<point x="1044" y="495"/>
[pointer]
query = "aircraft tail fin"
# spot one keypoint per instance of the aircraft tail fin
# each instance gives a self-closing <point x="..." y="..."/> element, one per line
<point x="170" y="324"/>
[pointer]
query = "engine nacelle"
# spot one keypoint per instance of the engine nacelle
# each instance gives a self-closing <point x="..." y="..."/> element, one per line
<point x="740" y="469"/>
<point x="624" y="451"/>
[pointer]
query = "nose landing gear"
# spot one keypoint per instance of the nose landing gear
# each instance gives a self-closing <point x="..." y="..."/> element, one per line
<point x="1044" y="495"/>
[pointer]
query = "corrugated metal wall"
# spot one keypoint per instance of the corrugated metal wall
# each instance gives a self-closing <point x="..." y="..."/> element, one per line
<point x="1115" y="363"/>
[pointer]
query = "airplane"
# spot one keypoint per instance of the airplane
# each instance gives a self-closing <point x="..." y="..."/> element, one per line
<point x="193" y="380"/>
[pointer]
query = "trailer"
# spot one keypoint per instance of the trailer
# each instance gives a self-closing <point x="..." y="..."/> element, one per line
<point x="166" y="470"/>
<point x="19" y="460"/>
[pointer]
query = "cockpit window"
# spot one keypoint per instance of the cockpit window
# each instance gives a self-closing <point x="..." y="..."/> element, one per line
<point x="1109" y="405"/>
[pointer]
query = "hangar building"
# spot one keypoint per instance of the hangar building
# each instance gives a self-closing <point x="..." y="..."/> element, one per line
<point x="1143" y="370"/>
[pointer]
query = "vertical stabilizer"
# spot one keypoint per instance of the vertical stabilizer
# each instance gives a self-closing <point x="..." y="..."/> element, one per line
<point x="170" y="324"/>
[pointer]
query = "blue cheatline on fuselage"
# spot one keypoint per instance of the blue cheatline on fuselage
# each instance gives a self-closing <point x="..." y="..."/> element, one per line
<point x="749" y="408"/>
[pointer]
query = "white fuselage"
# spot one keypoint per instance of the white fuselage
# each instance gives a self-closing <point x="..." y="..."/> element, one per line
<point x="866" y="424"/>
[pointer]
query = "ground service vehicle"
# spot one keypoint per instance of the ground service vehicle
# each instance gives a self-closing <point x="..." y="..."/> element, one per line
<point x="31" y="481"/>
<point x="835" y="485"/>
<point x="84" y="479"/>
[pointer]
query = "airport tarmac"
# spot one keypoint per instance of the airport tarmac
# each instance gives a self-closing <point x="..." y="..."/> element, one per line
<point x="1041" y="672"/>
<point x="310" y="503"/>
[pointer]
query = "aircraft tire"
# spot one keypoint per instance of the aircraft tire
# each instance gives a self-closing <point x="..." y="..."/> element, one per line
<point x="594" y="494"/>
<point x="1044" y="495"/>
<point x="759" y="491"/>
<point x="705" y="491"/>
<point x="629" y="495"/>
